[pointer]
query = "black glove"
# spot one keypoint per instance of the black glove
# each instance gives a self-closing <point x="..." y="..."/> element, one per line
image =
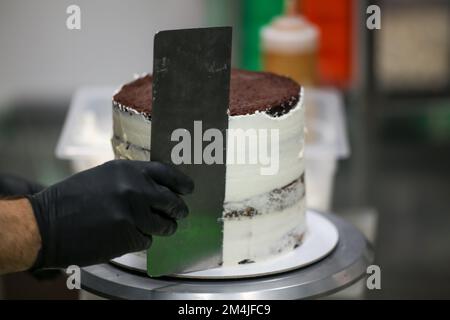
<point x="15" y="186"/>
<point x="107" y="211"/>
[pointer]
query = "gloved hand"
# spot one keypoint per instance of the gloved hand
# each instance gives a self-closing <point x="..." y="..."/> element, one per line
<point x="15" y="186"/>
<point x="107" y="211"/>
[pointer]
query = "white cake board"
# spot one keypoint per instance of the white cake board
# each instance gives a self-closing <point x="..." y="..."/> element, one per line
<point x="319" y="240"/>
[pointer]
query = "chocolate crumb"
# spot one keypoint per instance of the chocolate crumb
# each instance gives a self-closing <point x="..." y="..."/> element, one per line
<point x="245" y="261"/>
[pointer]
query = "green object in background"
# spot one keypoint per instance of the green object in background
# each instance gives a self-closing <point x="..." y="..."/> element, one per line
<point x="438" y="121"/>
<point x="256" y="14"/>
<point x="424" y="122"/>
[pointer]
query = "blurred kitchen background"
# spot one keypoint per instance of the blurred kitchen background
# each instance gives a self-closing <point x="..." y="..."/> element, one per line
<point x="378" y="109"/>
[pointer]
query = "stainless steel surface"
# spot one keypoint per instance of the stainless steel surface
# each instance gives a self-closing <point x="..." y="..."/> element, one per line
<point x="345" y="265"/>
<point x="191" y="92"/>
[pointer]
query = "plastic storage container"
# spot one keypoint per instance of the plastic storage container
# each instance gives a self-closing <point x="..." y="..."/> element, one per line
<point x="86" y="135"/>
<point x="326" y="142"/>
<point x="87" y="132"/>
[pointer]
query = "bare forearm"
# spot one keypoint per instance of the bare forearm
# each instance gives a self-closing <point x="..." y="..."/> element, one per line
<point x="20" y="240"/>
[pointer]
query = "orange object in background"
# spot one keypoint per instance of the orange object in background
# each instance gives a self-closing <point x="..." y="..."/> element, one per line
<point x="334" y="18"/>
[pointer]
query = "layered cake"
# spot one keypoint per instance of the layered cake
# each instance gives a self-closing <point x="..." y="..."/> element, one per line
<point x="264" y="210"/>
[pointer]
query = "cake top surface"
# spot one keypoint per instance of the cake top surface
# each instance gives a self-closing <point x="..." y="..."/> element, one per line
<point x="249" y="92"/>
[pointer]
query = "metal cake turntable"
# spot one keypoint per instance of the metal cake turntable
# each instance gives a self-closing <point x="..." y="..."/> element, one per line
<point x="319" y="240"/>
<point x="335" y="265"/>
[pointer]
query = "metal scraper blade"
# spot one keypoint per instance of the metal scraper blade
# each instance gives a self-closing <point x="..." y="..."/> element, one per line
<point x="191" y="79"/>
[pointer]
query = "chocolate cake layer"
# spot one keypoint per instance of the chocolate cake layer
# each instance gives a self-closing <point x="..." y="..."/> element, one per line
<point x="274" y="201"/>
<point x="249" y="92"/>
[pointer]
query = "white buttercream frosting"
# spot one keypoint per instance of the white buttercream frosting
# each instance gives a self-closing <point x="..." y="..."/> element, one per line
<point x="263" y="236"/>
